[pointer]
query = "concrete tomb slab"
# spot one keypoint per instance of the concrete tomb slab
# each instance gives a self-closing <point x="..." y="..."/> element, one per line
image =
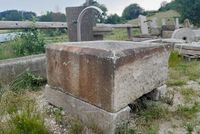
<point x="107" y="74"/>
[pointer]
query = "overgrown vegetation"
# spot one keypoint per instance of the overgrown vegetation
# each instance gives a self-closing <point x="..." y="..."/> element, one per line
<point x="27" y="80"/>
<point x="120" y="34"/>
<point x="187" y="8"/>
<point x="31" y="42"/>
<point x="182" y="70"/>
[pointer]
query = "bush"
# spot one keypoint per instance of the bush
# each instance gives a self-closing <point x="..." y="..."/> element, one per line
<point x="30" y="42"/>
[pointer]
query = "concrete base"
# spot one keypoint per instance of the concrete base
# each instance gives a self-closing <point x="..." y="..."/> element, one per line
<point x="87" y="113"/>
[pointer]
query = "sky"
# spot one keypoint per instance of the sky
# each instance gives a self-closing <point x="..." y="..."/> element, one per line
<point x="42" y="6"/>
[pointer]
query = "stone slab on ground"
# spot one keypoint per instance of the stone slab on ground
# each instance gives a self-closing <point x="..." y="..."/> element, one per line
<point x="89" y="114"/>
<point x="184" y="34"/>
<point x="107" y="74"/>
<point x="11" y="68"/>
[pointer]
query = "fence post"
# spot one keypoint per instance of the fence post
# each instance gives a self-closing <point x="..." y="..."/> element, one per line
<point x="129" y="32"/>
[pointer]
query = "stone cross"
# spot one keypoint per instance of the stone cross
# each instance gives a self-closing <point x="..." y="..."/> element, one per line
<point x="143" y="25"/>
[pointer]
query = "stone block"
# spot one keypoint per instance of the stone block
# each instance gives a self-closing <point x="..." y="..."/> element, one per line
<point x="87" y="113"/>
<point x="167" y="34"/>
<point x="107" y="74"/>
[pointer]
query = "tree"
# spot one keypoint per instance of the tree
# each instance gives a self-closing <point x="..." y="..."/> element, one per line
<point x="114" y="19"/>
<point x="189" y="9"/>
<point x="163" y="4"/>
<point x="51" y="16"/>
<point x="168" y="6"/>
<point x="132" y="11"/>
<point x="101" y="6"/>
<point x="15" y="15"/>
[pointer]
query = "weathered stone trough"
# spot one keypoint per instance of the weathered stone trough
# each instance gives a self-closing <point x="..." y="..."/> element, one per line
<point x="97" y="80"/>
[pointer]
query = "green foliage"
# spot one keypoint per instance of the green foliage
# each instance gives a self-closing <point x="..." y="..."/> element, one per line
<point x="23" y="117"/>
<point x="76" y="127"/>
<point x="28" y="122"/>
<point x="188" y="93"/>
<point x="54" y="32"/>
<point x="30" y="42"/>
<point x="132" y="11"/>
<point x="121" y="34"/>
<point x="153" y="130"/>
<point x="123" y="129"/>
<point x="174" y="59"/>
<point x="188" y="112"/>
<point x="15" y="15"/>
<point x="150" y="13"/>
<point x="169" y="6"/>
<point x="101" y="6"/>
<point x="27" y="80"/>
<point x="181" y="70"/>
<point x="54" y="17"/>
<point x="114" y="19"/>
<point x="189" y="127"/>
<point x="187" y="8"/>
<point x="154" y="112"/>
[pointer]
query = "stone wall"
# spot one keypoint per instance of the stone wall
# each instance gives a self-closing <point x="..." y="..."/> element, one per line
<point x="11" y="68"/>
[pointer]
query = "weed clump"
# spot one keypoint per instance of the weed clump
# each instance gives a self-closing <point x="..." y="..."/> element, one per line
<point x="27" y="80"/>
<point x="174" y="59"/>
<point x="19" y="115"/>
<point x="29" y="42"/>
<point x="188" y="112"/>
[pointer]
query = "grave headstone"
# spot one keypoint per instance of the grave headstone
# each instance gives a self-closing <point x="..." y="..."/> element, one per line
<point x="143" y="25"/>
<point x="154" y="29"/>
<point x="186" y="23"/>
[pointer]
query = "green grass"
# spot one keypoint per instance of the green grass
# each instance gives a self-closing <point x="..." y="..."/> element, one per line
<point x="160" y="15"/>
<point x="27" y="80"/>
<point x="181" y="70"/>
<point x="7" y="50"/>
<point x="188" y="93"/>
<point x="13" y="49"/>
<point x="187" y="112"/>
<point x="121" y="34"/>
<point x="23" y="116"/>
<point x="154" y="112"/>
